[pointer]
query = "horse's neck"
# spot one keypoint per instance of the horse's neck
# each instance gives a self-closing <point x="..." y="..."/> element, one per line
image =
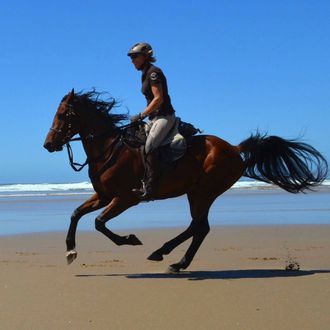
<point x="97" y="146"/>
<point x="96" y="137"/>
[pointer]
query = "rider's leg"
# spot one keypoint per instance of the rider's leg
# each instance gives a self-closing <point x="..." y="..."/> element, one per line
<point x="157" y="134"/>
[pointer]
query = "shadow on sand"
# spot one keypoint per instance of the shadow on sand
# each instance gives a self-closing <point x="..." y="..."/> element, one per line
<point x="216" y="275"/>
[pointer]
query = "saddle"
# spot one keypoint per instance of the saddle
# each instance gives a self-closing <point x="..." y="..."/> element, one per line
<point x="174" y="145"/>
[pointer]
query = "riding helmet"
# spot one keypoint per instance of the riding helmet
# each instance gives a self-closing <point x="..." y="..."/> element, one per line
<point x="141" y="48"/>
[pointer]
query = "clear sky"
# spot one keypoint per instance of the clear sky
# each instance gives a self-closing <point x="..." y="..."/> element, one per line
<point x="232" y="67"/>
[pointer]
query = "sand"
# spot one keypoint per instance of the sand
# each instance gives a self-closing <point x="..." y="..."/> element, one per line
<point x="237" y="281"/>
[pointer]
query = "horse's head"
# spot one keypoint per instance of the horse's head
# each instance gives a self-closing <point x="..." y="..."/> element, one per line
<point x="87" y="114"/>
<point x="64" y="124"/>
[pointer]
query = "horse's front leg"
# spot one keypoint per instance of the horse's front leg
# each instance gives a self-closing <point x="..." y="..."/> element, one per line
<point x="92" y="204"/>
<point x="116" y="206"/>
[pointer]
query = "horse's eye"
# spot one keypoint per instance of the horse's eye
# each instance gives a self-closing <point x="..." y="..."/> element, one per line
<point x="61" y="116"/>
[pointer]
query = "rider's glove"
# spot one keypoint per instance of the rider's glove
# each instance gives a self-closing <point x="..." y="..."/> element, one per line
<point x="136" y="118"/>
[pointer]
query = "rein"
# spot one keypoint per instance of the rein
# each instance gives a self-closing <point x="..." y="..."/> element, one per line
<point x="77" y="167"/>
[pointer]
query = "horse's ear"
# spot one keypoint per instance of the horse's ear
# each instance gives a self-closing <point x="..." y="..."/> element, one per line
<point x="70" y="95"/>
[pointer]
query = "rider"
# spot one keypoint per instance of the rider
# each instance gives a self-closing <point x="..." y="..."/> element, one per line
<point x="159" y="110"/>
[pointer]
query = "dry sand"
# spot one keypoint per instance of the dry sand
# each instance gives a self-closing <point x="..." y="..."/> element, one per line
<point x="237" y="281"/>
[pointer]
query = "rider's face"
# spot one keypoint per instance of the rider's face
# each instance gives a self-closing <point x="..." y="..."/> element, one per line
<point x="138" y="61"/>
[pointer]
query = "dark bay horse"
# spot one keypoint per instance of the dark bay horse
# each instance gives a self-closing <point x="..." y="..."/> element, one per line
<point x="209" y="168"/>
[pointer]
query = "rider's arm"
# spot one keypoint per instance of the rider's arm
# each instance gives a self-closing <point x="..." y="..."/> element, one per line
<point x="156" y="102"/>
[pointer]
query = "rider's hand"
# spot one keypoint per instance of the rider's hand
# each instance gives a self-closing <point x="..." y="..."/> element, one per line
<point x="136" y="118"/>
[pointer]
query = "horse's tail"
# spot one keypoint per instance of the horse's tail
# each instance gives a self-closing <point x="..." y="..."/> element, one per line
<point x="293" y="166"/>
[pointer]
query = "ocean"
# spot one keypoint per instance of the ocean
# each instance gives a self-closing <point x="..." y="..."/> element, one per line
<point x="29" y="208"/>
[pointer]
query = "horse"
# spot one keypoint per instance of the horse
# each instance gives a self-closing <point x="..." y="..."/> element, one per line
<point x="209" y="167"/>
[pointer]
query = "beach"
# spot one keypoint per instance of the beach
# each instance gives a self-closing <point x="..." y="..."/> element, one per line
<point x="264" y="265"/>
<point x="237" y="281"/>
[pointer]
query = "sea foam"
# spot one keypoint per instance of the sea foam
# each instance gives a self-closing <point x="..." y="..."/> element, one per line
<point x="83" y="188"/>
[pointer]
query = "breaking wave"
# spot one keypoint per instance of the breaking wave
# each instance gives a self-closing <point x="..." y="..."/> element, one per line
<point x="86" y="188"/>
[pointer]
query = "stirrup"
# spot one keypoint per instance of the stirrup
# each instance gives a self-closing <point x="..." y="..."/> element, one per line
<point x="142" y="193"/>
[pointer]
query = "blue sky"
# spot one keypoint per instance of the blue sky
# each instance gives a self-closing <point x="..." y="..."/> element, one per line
<point x="232" y="67"/>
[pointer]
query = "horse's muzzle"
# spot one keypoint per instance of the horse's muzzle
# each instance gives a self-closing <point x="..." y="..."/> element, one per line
<point x="51" y="148"/>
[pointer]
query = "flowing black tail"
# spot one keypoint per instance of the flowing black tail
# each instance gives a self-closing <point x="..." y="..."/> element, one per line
<point x="291" y="165"/>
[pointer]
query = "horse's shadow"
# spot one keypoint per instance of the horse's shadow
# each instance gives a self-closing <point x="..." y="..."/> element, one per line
<point x="217" y="274"/>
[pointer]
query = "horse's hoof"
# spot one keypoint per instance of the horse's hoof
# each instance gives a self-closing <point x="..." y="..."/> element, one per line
<point x="71" y="256"/>
<point x="173" y="269"/>
<point x="155" y="256"/>
<point x="133" y="240"/>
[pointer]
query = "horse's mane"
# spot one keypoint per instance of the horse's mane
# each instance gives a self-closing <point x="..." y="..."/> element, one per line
<point x="101" y="103"/>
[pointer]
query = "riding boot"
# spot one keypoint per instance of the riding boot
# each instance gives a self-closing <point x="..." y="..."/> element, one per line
<point x="149" y="184"/>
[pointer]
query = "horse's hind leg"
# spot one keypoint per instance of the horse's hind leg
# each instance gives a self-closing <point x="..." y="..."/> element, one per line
<point x="198" y="228"/>
<point x="172" y="244"/>
<point x="92" y="204"/>
<point x="200" y="204"/>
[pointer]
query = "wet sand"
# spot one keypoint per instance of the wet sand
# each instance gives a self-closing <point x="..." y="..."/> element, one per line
<point x="237" y="281"/>
<point x="237" y="207"/>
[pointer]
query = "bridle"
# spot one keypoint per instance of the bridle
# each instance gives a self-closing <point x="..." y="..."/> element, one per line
<point x="70" y="113"/>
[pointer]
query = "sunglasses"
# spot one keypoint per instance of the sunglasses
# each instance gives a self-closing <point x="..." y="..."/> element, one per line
<point x="134" y="56"/>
